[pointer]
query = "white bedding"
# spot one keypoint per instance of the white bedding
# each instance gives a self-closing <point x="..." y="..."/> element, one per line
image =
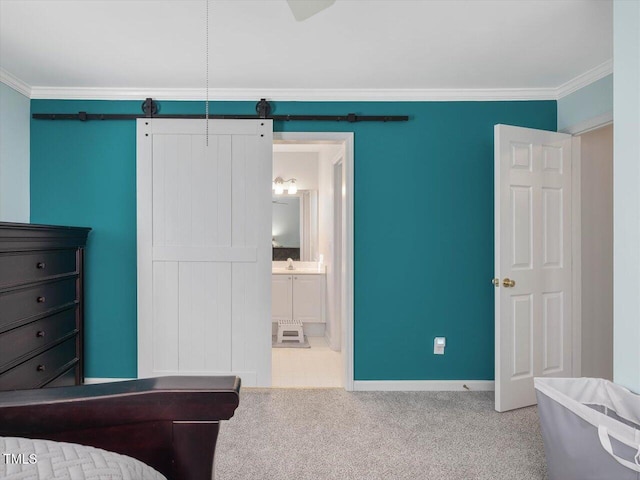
<point x="27" y="459"/>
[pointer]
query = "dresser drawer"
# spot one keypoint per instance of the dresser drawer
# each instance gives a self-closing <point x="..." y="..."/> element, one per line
<point x="40" y="369"/>
<point x="67" y="379"/>
<point x="47" y="331"/>
<point x="27" y="302"/>
<point x="16" y="269"/>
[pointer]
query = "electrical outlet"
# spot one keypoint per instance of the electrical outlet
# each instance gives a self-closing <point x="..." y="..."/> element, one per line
<point x="438" y="345"/>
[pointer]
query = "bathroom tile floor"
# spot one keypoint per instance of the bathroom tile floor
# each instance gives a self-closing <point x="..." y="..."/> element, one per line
<point x="318" y="366"/>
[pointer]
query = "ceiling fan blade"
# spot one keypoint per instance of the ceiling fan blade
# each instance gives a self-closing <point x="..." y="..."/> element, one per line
<point x="303" y="9"/>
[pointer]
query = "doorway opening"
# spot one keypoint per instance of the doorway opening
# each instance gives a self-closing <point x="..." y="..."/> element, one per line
<point x="596" y="185"/>
<point x="312" y="274"/>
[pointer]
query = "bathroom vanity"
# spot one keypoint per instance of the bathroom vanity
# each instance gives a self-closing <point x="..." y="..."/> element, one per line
<point x="298" y="294"/>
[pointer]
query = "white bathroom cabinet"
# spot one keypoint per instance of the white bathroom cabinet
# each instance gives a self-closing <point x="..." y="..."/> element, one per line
<point x="299" y="297"/>
<point x="281" y="297"/>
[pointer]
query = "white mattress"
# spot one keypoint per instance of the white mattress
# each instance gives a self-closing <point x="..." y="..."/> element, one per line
<point x="44" y="460"/>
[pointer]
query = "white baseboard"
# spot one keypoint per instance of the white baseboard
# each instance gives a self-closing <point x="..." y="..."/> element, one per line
<point x="385" y="385"/>
<point x="423" y="385"/>
<point x="93" y="380"/>
<point x="334" y="344"/>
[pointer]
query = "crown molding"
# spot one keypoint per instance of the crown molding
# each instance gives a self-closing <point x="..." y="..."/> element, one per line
<point x="105" y="93"/>
<point x="311" y="95"/>
<point x="15" y="83"/>
<point x="300" y="94"/>
<point x="585" y="79"/>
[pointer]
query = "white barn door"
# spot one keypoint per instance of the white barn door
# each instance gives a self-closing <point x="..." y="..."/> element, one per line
<point x="204" y="248"/>
<point x="533" y="261"/>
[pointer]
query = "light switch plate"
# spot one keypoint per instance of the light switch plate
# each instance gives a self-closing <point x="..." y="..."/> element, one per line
<point x="438" y="345"/>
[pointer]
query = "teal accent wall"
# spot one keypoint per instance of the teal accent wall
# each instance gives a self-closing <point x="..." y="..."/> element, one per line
<point x="423" y="225"/>
<point x="14" y="155"/>
<point x="592" y="101"/>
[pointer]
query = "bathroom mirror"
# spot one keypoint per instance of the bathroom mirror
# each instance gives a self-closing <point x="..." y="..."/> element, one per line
<point x="294" y="228"/>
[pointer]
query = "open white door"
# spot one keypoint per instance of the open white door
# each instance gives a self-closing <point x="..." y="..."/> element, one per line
<point x="204" y="248"/>
<point x="533" y="261"/>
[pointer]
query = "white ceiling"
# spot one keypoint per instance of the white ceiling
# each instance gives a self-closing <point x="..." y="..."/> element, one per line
<point x="353" y="45"/>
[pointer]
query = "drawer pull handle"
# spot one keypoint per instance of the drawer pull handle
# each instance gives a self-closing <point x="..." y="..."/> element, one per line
<point x="41" y="265"/>
<point x="41" y="368"/>
<point x="40" y="333"/>
<point x="41" y="299"/>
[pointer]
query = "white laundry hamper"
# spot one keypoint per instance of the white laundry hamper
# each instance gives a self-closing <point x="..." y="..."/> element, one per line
<point x="590" y="428"/>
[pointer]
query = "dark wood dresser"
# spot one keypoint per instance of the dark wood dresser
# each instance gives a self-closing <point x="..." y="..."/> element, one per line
<point x="41" y="305"/>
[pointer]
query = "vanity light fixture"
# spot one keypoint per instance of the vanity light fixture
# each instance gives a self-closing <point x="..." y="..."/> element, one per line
<point x="278" y="186"/>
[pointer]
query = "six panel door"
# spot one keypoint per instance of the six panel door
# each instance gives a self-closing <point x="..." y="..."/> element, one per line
<point x="533" y="261"/>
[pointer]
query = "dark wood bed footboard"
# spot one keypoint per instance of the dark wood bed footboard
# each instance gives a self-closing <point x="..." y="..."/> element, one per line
<point x="169" y="423"/>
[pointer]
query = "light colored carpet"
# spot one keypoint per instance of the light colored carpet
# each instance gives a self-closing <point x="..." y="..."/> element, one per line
<point x="327" y="434"/>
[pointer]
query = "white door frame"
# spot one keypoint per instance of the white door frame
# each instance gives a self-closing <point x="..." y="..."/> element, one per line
<point x="576" y="248"/>
<point x="589" y="124"/>
<point x="576" y="258"/>
<point x="348" y="251"/>
<point x="338" y="239"/>
<point x="576" y="130"/>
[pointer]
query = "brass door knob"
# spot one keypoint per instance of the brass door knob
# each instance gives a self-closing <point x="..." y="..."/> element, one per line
<point x="507" y="282"/>
<point x="496" y="282"/>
